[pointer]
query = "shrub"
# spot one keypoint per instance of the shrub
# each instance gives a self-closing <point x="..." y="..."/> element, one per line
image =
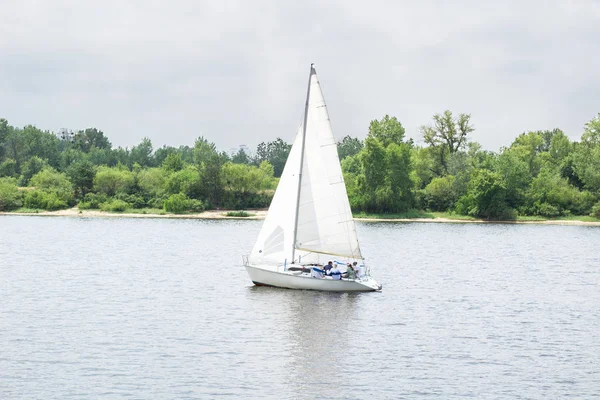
<point x="94" y="200"/>
<point x="44" y="200"/>
<point x="195" y="205"/>
<point x="115" y="205"/>
<point x="596" y="210"/>
<point x="84" y="205"/>
<point x="51" y="181"/>
<point x="10" y="196"/>
<point x="546" y="210"/>
<point x="157" y="202"/>
<point x="486" y="197"/>
<point x="176" y="203"/>
<point x="151" y="181"/>
<point x="110" y="181"/>
<point x="237" y="214"/>
<point x="134" y="200"/>
<point x="187" y="181"/>
<point x="439" y="193"/>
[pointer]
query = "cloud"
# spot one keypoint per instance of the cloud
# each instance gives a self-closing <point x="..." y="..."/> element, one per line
<point x="236" y="71"/>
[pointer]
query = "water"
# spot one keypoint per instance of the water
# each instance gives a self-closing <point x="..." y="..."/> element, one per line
<point x="154" y="308"/>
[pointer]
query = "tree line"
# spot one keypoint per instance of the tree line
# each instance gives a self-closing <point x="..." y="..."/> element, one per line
<point x="541" y="173"/>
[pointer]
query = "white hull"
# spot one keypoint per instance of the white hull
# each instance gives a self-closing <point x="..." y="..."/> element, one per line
<point x="267" y="277"/>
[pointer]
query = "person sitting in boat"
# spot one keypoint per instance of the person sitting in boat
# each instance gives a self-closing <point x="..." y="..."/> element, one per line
<point x="335" y="273"/>
<point x="350" y="272"/>
<point x="357" y="270"/>
<point x="328" y="268"/>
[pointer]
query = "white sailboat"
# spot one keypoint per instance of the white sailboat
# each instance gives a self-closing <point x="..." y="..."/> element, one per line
<point x="309" y="222"/>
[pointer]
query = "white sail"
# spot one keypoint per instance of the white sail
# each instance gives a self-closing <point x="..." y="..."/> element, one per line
<point x="324" y="219"/>
<point x="275" y="240"/>
<point x="325" y="223"/>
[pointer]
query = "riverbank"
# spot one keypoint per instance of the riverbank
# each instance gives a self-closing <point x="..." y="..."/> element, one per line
<point x="261" y="214"/>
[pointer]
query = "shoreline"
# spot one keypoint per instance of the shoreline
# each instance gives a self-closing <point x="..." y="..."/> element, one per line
<point x="261" y="214"/>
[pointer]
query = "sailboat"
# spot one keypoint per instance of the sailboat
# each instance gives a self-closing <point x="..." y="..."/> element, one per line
<point x="309" y="221"/>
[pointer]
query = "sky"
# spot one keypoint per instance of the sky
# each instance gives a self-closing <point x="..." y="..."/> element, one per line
<point x="236" y="72"/>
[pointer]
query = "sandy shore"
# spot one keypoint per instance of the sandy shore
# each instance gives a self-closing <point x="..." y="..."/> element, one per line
<point x="75" y="212"/>
<point x="261" y="214"/>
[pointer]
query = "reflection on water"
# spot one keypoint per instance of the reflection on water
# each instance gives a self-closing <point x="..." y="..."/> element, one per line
<point x="164" y="309"/>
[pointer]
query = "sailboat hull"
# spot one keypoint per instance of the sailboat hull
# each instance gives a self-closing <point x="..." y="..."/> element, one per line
<point x="287" y="280"/>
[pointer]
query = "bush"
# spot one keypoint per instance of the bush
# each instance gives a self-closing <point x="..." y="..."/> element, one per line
<point x="93" y="200"/>
<point x="187" y="181"/>
<point x="44" y="200"/>
<point x="237" y="214"/>
<point x="157" y="202"/>
<point x="176" y="203"/>
<point x="486" y="197"/>
<point x="134" y="200"/>
<point x="115" y="205"/>
<point x="10" y="196"/>
<point x="51" y="181"/>
<point x="195" y="205"/>
<point x="111" y="181"/>
<point x="546" y="210"/>
<point x="439" y="193"/>
<point x="596" y="210"/>
<point x="84" y="205"/>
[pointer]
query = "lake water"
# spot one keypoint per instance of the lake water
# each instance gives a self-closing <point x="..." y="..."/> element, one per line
<point x="163" y="309"/>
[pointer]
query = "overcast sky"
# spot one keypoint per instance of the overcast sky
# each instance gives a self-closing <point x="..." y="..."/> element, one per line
<point x="236" y="71"/>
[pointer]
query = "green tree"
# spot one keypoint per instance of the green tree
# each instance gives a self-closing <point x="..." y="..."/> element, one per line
<point x="372" y="182"/>
<point x="84" y="140"/>
<point x="486" y="197"/>
<point x="209" y="163"/>
<point x="349" y="146"/>
<point x="142" y="153"/>
<point x="514" y="168"/>
<point x="240" y="157"/>
<point x="591" y="134"/>
<point x="8" y="168"/>
<point x="4" y="128"/>
<point x="14" y="144"/>
<point x="187" y="181"/>
<point x="173" y="162"/>
<point x="399" y="170"/>
<point x="440" y="194"/>
<point x="586" y="156"/>
<point x="113" y="180"/>
<point x="37" y="143"/>
<point x="10" y="196"/>
<point x="82" y="174"/>
<point x="446" y="136"/>
<point x="152" y="181"/>
<point x="551" y="195"/>
<point x="388" y="130"/>
<point x="50" y="181"/>
<point x="32" y="167"/>
<point x="275" y="152"/>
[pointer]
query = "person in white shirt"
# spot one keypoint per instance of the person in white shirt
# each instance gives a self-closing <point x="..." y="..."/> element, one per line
<point x="335" y="273"/>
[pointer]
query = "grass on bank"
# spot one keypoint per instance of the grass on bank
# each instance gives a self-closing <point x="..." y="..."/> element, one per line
<point x="413" y="214"/>
<point x="582" y="218"/>
<point x="416" y="214"/>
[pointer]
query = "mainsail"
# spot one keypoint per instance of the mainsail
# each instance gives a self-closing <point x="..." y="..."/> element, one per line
<point x="324" y="223"/>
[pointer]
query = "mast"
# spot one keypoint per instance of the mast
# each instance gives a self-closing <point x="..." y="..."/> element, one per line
<point x="312" y="71"/>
